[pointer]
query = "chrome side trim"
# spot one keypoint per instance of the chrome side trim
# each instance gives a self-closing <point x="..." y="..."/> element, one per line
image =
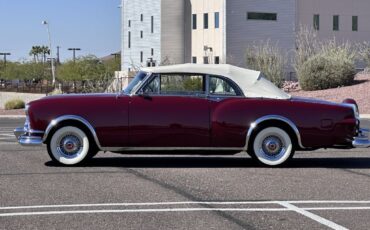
<point x="56" y="121"/>
<point x="268" y="118"/>
<point x="120" y="149"/>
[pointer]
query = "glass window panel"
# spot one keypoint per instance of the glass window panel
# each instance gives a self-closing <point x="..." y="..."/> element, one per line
<point x="217" y="20"/>
<point x="219" y="86"/>
<point x="182" y="84"/>
<point x="316" y="22"/>
<point x="261" y="16"/>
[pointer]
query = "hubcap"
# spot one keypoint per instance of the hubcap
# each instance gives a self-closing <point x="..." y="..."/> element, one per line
<point x="272" y="145"/>
<point x="70" y="145"/>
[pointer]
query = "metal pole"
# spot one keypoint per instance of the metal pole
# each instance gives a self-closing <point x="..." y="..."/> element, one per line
<point x="5" y="54"/>
<point x="74" y="52"/>
<point x="51" y="52"/>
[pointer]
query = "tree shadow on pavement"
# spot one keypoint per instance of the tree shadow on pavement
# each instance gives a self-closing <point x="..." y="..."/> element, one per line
<point x="219" y="162"/>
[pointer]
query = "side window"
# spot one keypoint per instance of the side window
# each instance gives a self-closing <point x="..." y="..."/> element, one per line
<point x="219" y="86"/>
<point x="182" y="84"/>
<point x="153" y="86"/>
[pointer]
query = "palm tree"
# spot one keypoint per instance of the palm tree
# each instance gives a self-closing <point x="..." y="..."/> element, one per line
<point x="35" y="52"/>
<point x="44" y="50"/>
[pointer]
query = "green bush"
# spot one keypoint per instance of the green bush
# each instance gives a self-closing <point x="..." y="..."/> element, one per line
<point x="323" y="64"/>
<point x="324" y="71"/>
<point x="14" y="104"/>
<point x="267" y="58"/>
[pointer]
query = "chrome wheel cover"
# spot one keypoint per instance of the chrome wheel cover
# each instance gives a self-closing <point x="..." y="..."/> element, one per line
<point x="70" y="145"/>
<point x="272" y="146"/>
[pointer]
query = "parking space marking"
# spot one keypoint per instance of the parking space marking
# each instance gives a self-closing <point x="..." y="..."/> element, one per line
<point x="145" y="210"/>
<point x="282" y="206"/>
<point x="312" y="216"/>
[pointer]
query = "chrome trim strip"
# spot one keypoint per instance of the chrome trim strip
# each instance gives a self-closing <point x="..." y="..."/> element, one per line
<point x="119" y="149"/>
<point x="272" y="117"/>
<point x="55" y="121"/>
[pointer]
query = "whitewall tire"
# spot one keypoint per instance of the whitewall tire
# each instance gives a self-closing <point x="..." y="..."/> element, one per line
<point x="69" y="145"/>
<point x="272" y="146"/>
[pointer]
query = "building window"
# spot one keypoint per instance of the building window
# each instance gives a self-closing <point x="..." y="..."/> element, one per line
<point x="205" y="60"/>
<point x="152" y="51"/>
<point x="354" y="23"/>
<point x="152" y="24"/>
<point x="141" y="34"/>
<point x="141" y="56"/>
<point x="194" y="22"/>
<point x="217" y="20"/>
<point x="141" y="17"/>
<point x="205" y="21"/>
<point x="194" y="60"/>
<point x="217" y="60"/>
<point x="129" y="39"/>
<point x="261" y="16"/>
<point x="336" y="22"/>
<point x="129" y="23"/>
<point x="316" y="22"/>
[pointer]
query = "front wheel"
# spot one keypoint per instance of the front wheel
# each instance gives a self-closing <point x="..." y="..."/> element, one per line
<point x="272" y="146"/>
<point x="70" y="145"/>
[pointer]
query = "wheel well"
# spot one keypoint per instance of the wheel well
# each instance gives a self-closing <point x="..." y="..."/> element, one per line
<point x="279" y="124"/>
<point x="74" y="123"/>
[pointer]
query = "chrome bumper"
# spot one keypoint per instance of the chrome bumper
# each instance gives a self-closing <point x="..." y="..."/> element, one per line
<point x="362" y="140"/>
<point x="28" y="137"/>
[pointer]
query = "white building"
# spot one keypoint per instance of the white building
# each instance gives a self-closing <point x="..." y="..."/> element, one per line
<point x="219" y="31"/>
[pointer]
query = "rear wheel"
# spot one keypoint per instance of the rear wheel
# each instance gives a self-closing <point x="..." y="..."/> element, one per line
<point x="272" y="146"/>
<point x="70" y="145"/>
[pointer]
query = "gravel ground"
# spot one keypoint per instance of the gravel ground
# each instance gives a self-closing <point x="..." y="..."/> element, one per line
<point x="360" y="91"/>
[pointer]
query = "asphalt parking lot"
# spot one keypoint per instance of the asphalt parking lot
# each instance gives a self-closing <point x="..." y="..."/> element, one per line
<point x="317" y="190"/>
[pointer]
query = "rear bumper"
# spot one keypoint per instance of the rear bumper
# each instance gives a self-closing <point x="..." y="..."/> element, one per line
<point x="362" y="139"/>
<point x="28" y="137"/>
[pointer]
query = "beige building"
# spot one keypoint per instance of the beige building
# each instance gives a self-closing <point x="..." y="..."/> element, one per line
<point x="346" y="20"/>
<point x="219" y="31"/>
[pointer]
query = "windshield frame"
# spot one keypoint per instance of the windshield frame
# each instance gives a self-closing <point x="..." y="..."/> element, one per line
<point x="136" y="83"/>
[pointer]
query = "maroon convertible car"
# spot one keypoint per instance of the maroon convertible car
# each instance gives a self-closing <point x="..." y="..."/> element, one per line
<point x="198" y="109"/>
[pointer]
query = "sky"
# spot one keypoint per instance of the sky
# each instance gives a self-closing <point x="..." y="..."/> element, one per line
<point x="92" y="25"/>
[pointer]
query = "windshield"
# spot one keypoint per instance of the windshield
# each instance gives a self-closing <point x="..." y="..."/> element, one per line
<point x="132" y="87"/>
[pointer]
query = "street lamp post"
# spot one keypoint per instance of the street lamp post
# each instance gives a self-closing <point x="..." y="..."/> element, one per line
<point x="5" y="54"/>
<point x="74" y="52"/>
<point x="51" y="52"/>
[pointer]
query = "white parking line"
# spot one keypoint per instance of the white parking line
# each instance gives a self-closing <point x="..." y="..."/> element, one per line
<point x="141" y="204"/>
<point x="287" y="207"/>
<point x="7" y="135"/>
<point x="145" y="210"/>
<point x="312" y="216"/>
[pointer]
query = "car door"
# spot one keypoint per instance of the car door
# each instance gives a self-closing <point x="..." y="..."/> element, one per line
<point x="171" y="110"/>
<point x="228" y="128"/>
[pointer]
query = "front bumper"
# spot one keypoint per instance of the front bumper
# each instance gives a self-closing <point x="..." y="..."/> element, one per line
<point x="28" y="137"/>
<point x="362" y="139"/>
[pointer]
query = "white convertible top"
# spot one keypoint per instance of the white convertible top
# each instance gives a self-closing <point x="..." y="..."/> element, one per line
<point x="251" y="82"/>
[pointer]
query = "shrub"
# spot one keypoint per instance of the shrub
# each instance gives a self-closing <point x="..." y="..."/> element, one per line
<point x="267" y="58"/>
<point x="14" y="104"/>
<point x="324" y="71"/>
<point x="323" y="64"/>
